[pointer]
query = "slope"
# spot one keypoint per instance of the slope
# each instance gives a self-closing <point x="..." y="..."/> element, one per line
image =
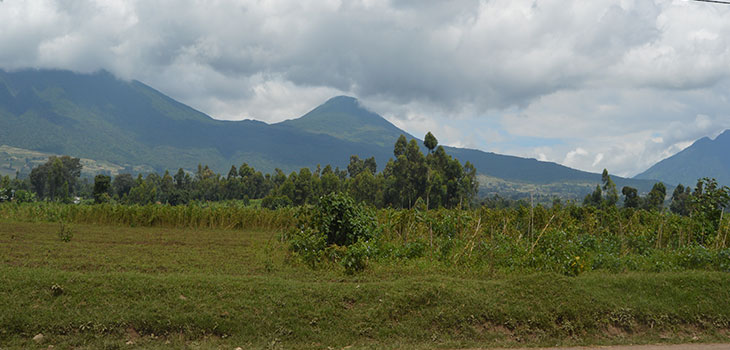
<point x="343" y="117"/>
<point x="704" y="158"/>
<point x="128" y="123"/>
<point x="98" y="116"/>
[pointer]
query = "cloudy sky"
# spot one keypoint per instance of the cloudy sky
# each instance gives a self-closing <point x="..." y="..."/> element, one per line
<point x="616" y="84"/>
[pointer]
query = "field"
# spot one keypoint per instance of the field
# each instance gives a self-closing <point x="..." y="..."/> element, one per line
<point x="214" y="284"/>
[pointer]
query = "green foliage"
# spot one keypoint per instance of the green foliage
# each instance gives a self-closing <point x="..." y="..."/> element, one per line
<point x="336" y="221"/>
<point x="631" y="197"/>
<point x="341" y="220"/>
<point x="64" y="232"/>
<point x="708" y="202"/>
<point x="102" y="185"/>
<point x="430" y="142"/>
<point x="23" y="196"/>
<point x="655" y="199"/>
<point x="355" y="258"/>
<point x="56" y="179"/>
<point x="276" y="202"/>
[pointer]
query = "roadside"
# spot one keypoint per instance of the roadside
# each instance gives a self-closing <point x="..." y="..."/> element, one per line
<point x="635" y="347"/>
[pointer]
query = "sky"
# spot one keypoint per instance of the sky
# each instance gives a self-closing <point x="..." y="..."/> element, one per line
<point x="615" y="84"/>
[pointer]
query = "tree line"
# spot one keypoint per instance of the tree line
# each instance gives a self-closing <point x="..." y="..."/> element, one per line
<point x="435" y="178"/>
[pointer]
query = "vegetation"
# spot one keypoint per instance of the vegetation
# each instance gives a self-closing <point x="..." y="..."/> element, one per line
<point x="436" y="177"/>
<point x="158" y="287"/>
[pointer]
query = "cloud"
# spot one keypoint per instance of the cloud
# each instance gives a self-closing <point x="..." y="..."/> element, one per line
<point x="602" y="76"/>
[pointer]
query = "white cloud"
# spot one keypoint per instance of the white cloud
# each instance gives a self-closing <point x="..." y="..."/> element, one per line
<point x="625" y="82"/>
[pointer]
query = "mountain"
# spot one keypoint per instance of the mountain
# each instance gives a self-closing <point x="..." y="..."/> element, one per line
<point x="98" y="116"/>
<point x="129" y="124"/>
<point x="343" y="117"/>
<point x="704" y="158"/>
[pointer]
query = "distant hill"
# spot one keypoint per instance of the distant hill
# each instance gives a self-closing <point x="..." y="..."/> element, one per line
<point x="131" y="125"/>
<point x="704" y="158"/>
<point x="98" y="116"/>
<point x="343" y="117"/>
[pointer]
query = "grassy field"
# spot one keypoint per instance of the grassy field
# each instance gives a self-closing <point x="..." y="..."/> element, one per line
<point x="115" y="287"/>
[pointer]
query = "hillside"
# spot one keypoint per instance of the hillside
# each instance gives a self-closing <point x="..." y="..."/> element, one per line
<point x="704" y="158"/>
<point x="129" y="124"/>
<point x="343" y="117"/>
<point x="100" y="117"/>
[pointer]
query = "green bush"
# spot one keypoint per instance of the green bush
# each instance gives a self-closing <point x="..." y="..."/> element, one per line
<point x="341" y="220"/>
<point x="276" y="202"/>
<point x="722" y="261"/>
<point x="336" y="228"/>
<point x="695" y="257"/>
<point x="355" y="258"/>
<point x="64" y="232"/>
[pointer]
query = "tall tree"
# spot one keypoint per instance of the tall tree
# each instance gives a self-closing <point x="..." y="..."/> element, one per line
<point x="609" y="188"/>
<point x="655" y="198"/>
<point x="631" y="197"/>
<point x="430" y="142"/>
<point x="102" y="185"/>
<point x="681" y="200"/>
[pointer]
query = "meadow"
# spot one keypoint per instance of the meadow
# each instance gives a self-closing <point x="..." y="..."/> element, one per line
<point x="226" y="275"/>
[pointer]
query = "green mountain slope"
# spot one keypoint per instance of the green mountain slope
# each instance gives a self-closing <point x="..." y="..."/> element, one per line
<point x="704" y="158"/>
<point x="343" y="117"/>
<point x="100" y="117"/>
<point x="128" y="123"/>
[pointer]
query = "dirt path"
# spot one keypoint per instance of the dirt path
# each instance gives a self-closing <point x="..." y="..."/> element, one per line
<point x="637" y="347"/>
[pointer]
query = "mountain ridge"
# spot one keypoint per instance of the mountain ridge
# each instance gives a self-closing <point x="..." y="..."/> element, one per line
<point x="706" y="157"/>
<point x="98" y="116"/>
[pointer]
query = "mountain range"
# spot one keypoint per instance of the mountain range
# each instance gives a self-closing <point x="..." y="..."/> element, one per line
<point x="129" y="124"/>
<point x="704" y="158"/>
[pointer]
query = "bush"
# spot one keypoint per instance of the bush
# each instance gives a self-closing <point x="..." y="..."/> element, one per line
<point x="355" y="257"/>
<point x="694" y="257"/>
<point x="341" y="220"/>
<point x="336" y="228"/>
<point x="722" y="261"/>
<point x="276" y="202"/>
<point x="65" y="233"/>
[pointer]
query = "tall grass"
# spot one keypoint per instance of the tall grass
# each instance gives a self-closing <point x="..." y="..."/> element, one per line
<point x="213" y="216"/>
<point x="565" y="240"/>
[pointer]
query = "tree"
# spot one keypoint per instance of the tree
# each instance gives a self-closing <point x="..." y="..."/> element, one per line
<point x="631" y="197"/>
<point x="122" y="184"/>
<point x="655" y="198"/>
<point x="370" y="165"/>
<point x="681" y="200"/>
<point x="303" y="187"/>
<point x="430" y="142"/>
<point x="594" y="199"/>
<point x="364" y="188"/>
<point x="708" y="201"/>
<point x="102" y="185"/>
<point x="400" y="146"/>
<point x="609" y="188"/>
<point x="56" y="179"/>
<point x="355" y="167"/>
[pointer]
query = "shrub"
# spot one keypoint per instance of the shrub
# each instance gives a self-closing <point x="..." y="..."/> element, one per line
<point x="355" y="257"/>
<point x="722" y="261"/>
<point x="65" y="233"/>
<point x="341" y="220"/>
<point x="336" y="228"/>
<point x="275" y="202"/>
<point x="695" y="257"/>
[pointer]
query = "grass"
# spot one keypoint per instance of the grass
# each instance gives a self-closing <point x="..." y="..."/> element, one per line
<point x="158" y="287"/>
